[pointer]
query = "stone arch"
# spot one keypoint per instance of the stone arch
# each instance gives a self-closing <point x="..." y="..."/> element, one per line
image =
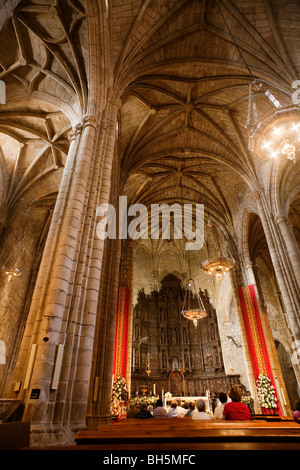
<point x="288" y="372"/>
<point x="294" y="216"/>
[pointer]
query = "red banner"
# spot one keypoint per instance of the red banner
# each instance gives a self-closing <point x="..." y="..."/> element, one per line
<point x="255" y="336"/>
<point x="121" y="334"/>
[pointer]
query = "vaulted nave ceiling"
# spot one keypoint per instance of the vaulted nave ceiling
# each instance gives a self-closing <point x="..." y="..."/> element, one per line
<point x="188" y="68"/>
<point x="182" y="69"/>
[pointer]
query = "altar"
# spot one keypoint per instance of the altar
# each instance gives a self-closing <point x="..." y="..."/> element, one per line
<point x="169" y="354"/>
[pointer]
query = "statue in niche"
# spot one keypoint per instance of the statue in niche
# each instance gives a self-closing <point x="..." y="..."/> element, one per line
<point x="175" y="362"/>
<point x="163" y="336"/>
<point x="176" y="381"/>
<point x="136" y="332"/>
<point x="184" y="336"/>
<point x="190" y="387"/>
<point x="208" y="359"/>
<point x="162" y="314"/>
<point x="172" y="310"/>
<point x="164" y="360"/>
<point x="174" y="336"/>
<point x="216" y="356"/>
<point x="197" y="362"/>
<point x="186" y="360"/>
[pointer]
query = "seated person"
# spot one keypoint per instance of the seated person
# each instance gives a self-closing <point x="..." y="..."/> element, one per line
<point x="236" y="410"/>
<point x="174" y="412"/>
<point x="181" y="410"/>
<point x="296" y="412"/>
<point x="192" y="406"/>
<point x="150" y="408"/>
<point x="143" y="413"/>
<point x="218" y="413"/>
<point x="133" y="410"/>
<point x="200" y="412"/>
<point x="159" y="410"/>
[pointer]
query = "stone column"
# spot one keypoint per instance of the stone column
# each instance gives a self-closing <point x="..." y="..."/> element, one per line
<point x="98" y="411"/>
<point x="61" y="325"/>
<point x="282" y="268"/>
<point x="292" y="248"/>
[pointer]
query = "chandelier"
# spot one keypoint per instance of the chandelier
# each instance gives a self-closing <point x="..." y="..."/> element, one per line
<point x="276" y="134"/>
<point x="217" y="266"/>
<point x="188" y="310"/>
<point x="11" y="272"/>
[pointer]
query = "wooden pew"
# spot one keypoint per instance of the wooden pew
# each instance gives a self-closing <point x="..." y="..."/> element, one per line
<point x="182" y="433"/>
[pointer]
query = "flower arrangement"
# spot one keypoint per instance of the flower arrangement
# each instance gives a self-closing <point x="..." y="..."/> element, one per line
<point x="266" y="392"/>
<point x="119" y="385"/>
<point x="247" y="400"/>
<point x="137" y="400"/>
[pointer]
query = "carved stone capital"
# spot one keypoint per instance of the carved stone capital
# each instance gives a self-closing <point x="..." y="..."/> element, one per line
<point x="89" y="120"/>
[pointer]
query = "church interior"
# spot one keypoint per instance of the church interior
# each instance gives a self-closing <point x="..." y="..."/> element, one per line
<point x="110" y="110"/>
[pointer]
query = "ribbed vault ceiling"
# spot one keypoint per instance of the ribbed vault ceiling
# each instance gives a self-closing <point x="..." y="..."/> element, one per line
<point x="182" y="69"/>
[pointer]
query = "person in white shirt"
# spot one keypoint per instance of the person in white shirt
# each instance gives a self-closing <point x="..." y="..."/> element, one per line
<point x="181" y="410"/>
<point x="218" y="413"/>
<point x="175" y="411"/>
<point x="200" y="412"/>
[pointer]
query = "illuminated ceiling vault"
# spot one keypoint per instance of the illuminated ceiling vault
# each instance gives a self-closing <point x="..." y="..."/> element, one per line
<point x="182" y="69"/>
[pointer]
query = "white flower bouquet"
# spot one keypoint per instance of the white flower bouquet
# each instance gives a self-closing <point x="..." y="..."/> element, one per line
<point x="119" y="385"/>
<point x="266" y="392"/>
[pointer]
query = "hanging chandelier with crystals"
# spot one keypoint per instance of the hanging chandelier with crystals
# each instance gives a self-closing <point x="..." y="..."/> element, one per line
<point x="189" y="311"/>
<point x="218" y="266"/>
<point x="11" y="272"/>
<point x="276" y="134"/>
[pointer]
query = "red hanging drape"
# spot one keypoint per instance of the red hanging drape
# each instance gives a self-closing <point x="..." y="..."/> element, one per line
<point x="121" y="333"/>
<point x="255" y="337"/>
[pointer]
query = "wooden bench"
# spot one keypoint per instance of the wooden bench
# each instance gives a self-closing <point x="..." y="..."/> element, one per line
<point x="188" y="434"/>
<point x="15" y="435"/>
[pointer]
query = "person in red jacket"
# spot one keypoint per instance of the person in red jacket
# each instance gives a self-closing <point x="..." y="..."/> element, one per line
<point x="236" y="410"/>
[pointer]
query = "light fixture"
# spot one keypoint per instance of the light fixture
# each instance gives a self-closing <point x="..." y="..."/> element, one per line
<point x="276" y="134"/>
<point x="283" y="138"/>
<point x="189" y="310"/>
<point x="218" y="266"/>
<point x="11" y="272"/>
